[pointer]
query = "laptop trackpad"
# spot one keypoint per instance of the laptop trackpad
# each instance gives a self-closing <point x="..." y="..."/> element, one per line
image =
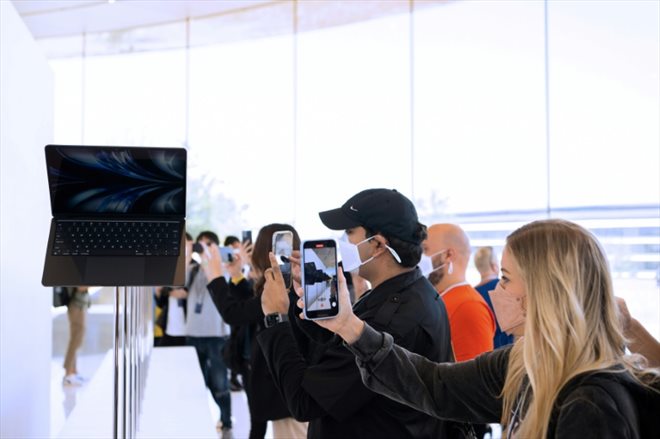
<point x="109" y="271"/>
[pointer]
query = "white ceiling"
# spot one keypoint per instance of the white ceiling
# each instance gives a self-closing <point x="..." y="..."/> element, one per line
<point x="66" y="28"/>
<point x="58" y="18"/>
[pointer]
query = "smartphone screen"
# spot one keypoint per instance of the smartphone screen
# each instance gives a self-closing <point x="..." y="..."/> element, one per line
<point x="282" y="249"/>
<point x="246" y="236"/>
<point x="319" y="278"/>
<point x="227" y="254"/>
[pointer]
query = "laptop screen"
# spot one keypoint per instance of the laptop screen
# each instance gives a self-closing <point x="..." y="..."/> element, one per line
<point x="116" y="181"/>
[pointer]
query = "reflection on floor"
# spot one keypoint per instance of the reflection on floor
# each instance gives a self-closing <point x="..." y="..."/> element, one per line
<point x="63" y="399"/>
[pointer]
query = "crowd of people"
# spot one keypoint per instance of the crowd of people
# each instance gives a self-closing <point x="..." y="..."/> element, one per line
<point x="544" y="349"/>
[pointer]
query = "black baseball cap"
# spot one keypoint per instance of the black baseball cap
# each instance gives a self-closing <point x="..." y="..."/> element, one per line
<point x="380" y="210"/>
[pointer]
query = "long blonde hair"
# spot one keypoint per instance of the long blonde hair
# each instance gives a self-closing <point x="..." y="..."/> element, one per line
<point x="572" y="324"/>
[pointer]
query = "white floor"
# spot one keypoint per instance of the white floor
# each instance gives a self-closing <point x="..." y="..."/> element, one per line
<point x="64" y="399"/>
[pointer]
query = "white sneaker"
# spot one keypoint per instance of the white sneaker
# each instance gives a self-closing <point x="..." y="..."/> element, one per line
<point x="73" y="380"/>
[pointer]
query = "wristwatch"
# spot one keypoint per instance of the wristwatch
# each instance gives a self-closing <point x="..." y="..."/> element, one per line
<point x="273" y="319"/>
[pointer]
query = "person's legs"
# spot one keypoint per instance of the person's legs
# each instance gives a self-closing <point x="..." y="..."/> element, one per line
<point x="257" y="428"/>
<point x="218" y="379"/>
<point x="202" y="357"/>
<point x="76" y="315"/>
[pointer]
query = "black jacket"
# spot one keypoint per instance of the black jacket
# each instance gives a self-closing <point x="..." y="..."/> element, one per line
<point x="239" y="306"/>
<point x="322" y="383"/>
<point x="163" y="302"/>
<point x="603" y="404"/>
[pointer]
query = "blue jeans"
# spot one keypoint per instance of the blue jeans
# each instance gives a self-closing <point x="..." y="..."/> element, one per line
<point x="209" y="354"/>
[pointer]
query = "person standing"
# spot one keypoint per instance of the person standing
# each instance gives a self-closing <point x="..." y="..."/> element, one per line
<point x="471" y="320"/>
<point x="208" y="333"/>
<point x="239" y="302"/>
<point x="567" y="376"/>
<point x="77" y="307"/>
<point x="324" y="386"/>
<point x="234" y="383"/>
<point x="485" y="260"/>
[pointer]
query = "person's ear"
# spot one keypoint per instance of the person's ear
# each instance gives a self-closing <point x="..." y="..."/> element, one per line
<point x="381" y="243"/>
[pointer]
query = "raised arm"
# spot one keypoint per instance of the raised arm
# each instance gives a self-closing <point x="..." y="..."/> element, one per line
<point x="467" y="391"/>
<point x="232" y="307"/>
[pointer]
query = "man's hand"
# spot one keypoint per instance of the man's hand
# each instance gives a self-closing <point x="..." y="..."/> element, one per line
<point x="212" y="262"/>
<point x="275" y="298"/>
<point x="235" y="267"/>
<point x="179" y="293"/>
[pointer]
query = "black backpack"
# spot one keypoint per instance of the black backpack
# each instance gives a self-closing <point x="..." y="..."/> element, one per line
<point x="62" y="295"/>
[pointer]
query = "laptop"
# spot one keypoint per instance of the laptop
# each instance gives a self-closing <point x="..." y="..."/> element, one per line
<point x="118" y="216"/>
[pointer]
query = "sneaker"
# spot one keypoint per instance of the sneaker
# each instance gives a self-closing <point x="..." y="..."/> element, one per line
<point x="73" y="380"/>
<point x="227" y="433"/>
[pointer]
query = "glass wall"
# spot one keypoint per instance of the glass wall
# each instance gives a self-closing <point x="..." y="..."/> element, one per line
<point x="353" y="114"/>
<point x="479" y="110"/>
<point x="487" y="113"/>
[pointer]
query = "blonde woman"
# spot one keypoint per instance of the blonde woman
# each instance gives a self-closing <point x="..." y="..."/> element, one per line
<point x="566" y="377"/>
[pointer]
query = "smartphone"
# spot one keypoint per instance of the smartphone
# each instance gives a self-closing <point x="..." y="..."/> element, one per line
<point x="197" y="248"/>
<point x="246" y="236"/>
<point x="319" y="279"/>
<point x="282" y="249"/>
<point x="227" y="254"/>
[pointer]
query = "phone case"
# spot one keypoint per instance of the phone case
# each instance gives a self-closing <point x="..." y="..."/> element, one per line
<point x="302" y="274"/>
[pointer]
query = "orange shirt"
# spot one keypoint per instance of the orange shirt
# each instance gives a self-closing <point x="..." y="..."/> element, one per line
<point x="471" y="321"/>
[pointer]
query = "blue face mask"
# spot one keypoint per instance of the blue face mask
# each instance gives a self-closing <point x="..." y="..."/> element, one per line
<point x="350" y="254"/>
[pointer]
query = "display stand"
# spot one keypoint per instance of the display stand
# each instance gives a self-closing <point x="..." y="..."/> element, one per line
<point x="133" y="335"/>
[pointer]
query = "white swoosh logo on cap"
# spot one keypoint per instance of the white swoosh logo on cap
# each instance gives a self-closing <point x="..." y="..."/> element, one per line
<point x="353" y="209"/>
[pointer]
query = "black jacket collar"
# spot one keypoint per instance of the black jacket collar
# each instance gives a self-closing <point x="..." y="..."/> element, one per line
<point x="399" y="283"/>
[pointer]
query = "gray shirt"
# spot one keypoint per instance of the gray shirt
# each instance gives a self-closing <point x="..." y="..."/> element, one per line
<point x="202" y="317"/>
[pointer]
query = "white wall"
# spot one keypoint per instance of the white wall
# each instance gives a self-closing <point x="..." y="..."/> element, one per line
<point x="26" y="125"/>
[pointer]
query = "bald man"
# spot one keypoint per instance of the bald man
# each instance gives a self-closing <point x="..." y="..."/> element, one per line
<point x="471" y="320"/>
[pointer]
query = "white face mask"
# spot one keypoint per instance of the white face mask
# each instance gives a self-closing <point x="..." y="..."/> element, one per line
<point x="426" y="263"/>
<point x="350" y="254"/>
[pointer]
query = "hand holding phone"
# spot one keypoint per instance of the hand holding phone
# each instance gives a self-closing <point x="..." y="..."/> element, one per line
<point x="282" y="247"/>
<point x="228" y="254"/>
<point x="212" y="262"/>
<point x="275" y="296"/>
<point x="345" y="324"/>
<point x="319" y="279"/>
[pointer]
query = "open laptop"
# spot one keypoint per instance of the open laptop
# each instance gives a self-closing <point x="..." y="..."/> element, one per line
<point x="118" y="216"/>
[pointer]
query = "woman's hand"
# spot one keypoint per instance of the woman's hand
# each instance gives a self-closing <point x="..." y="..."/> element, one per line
<point x="212" y="262"/>
<point x="245" y="251"/>
<point x="295" y="268"/>
<point x="345" y="324"/>
<point x="275" y="298"/>
<point x="624" y="315"/>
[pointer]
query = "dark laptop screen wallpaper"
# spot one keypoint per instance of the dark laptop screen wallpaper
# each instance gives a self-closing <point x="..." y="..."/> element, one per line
<point x="117" y="181"/>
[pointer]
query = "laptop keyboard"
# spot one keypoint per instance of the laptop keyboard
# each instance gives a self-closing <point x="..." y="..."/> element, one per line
<point x="116" y="238"/>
